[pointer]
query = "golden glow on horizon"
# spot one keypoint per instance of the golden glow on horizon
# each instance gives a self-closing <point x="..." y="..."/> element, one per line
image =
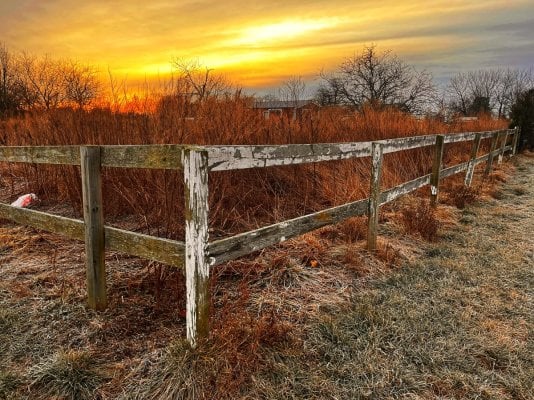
<point x="261" y="43"/>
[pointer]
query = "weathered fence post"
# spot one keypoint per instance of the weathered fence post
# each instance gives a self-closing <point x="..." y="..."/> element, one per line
<point x="195" y="164"/>
<point x="471" y="165"/>
<point x="93" y="214"/>
<point x="515" y="140"/>
<point x="374" y="197"/>
<point x="503" y="146"/>
<point x="493" y="146"/>
<point x="436" y="170"/>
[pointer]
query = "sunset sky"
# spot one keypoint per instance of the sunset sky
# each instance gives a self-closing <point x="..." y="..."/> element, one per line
<point x="260" y="43"/>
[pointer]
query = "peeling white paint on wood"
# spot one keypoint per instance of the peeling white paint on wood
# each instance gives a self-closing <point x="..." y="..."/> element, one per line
<point x="239" y="245"/>
<point x="195" y="165"/>
<point x="391" y="194"/>
<point x="471" y="167"/>
<point x="374" y="195"/>
<point x="436" y="170"/>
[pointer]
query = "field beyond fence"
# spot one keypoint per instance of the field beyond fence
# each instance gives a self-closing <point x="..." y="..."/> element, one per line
<point x="197" y="162"/>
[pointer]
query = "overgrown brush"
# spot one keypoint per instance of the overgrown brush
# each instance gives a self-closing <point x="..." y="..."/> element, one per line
<point x="421" y="220"/>
<point x="463" y="195"/>
<point x="239" y="200"/>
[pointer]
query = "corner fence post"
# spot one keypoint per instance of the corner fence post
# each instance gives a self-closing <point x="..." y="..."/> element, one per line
<point x="436" y="170"/>
<point x="195" y="164"/>
<point x="489" y="164"/>
<point x="515" y="140"/>
<point x="503" y="146"/>
<point x="93" y="214"/>
<point x="374" y="197"/>
<point x="471" y="165"/>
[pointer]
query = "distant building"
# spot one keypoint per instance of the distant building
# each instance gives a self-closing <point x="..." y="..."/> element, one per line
<point x="290" y="109"/>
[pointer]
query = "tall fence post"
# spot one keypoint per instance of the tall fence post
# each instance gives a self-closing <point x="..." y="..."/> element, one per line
<point x="471" y="165"/>
<point x="195" y="164"/>
<point x="93" y="214"/>
<point x="374" y="197"/>
<point x="503" y="146"/>
<point x="493" y="146"/>
<point x="515" y="141"/>
<point x="436" y="170"/>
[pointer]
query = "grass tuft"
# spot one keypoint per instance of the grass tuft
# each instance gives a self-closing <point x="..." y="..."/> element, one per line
<point x="421" y="220"/>
<point x="67" y="375"/>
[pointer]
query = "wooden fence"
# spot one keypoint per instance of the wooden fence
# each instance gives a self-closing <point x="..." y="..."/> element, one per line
<point x="197" y="254"/>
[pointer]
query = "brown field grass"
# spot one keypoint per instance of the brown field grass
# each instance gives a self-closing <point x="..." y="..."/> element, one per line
<point x="239" y="200"/>
<point x="316" y="317"/>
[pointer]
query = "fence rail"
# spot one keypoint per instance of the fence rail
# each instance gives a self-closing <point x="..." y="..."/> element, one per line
<point x="197" y="254"/>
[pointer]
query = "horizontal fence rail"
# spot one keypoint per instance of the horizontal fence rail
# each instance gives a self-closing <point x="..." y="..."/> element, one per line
<point x="197" y="254"/>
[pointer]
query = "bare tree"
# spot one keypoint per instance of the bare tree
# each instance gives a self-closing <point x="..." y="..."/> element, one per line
<point x="81" y="85"/>
<point x="380" y="79"/>
<point x="197" y="81"/>
<point x="492" y="90"/>
<point x="6" y="100"/>
<point x="293" y="90"/>
<point x="43" y="80"/>
<point x="330" y="91"/>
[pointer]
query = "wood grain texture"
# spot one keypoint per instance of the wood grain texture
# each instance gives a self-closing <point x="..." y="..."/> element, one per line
<point x="436" y="170"/>
<point x="143" y="156"/>
<point x="69" y="155"/>
<point x="94" y="227"/>
<point x="245" y="243"/>
<point x="394" y="193"/>
<point x="515" y="141"/>
<point x="162" y="250"/>
<point x="453" y="170"/>
<point x="471" y="167"/>
<point x="503" y="145"/>
<point x="491" y="153"/>
<point x="71" y="228"/>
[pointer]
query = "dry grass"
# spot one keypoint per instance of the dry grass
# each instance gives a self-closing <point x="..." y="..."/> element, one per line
<point x="151" y="201"/>
<point x="421" y="220"/>
<point x="316" y="317"/>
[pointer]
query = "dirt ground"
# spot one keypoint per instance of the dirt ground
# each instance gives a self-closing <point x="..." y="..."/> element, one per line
<point x="317" y="318"/>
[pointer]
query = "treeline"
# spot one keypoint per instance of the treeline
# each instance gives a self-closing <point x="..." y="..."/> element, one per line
<point x="369" y="79"/>
<point x="382" y="79"/>
<point x="28" y="82"/>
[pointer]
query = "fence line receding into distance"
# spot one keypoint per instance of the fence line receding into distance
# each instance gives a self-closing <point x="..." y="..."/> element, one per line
<point x="197" y="254"/>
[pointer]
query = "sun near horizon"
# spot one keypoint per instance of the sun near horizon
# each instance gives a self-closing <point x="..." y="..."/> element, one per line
<point x="259" y="44"/>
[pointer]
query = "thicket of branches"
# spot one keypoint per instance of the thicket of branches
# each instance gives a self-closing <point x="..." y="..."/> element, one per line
<point x="379" y="79"/>
<point x="489" y="91"/>
<point x="28" y="82"/>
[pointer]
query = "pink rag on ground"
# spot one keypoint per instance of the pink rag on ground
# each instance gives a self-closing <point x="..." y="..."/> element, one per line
<point x="25" y="201"/>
